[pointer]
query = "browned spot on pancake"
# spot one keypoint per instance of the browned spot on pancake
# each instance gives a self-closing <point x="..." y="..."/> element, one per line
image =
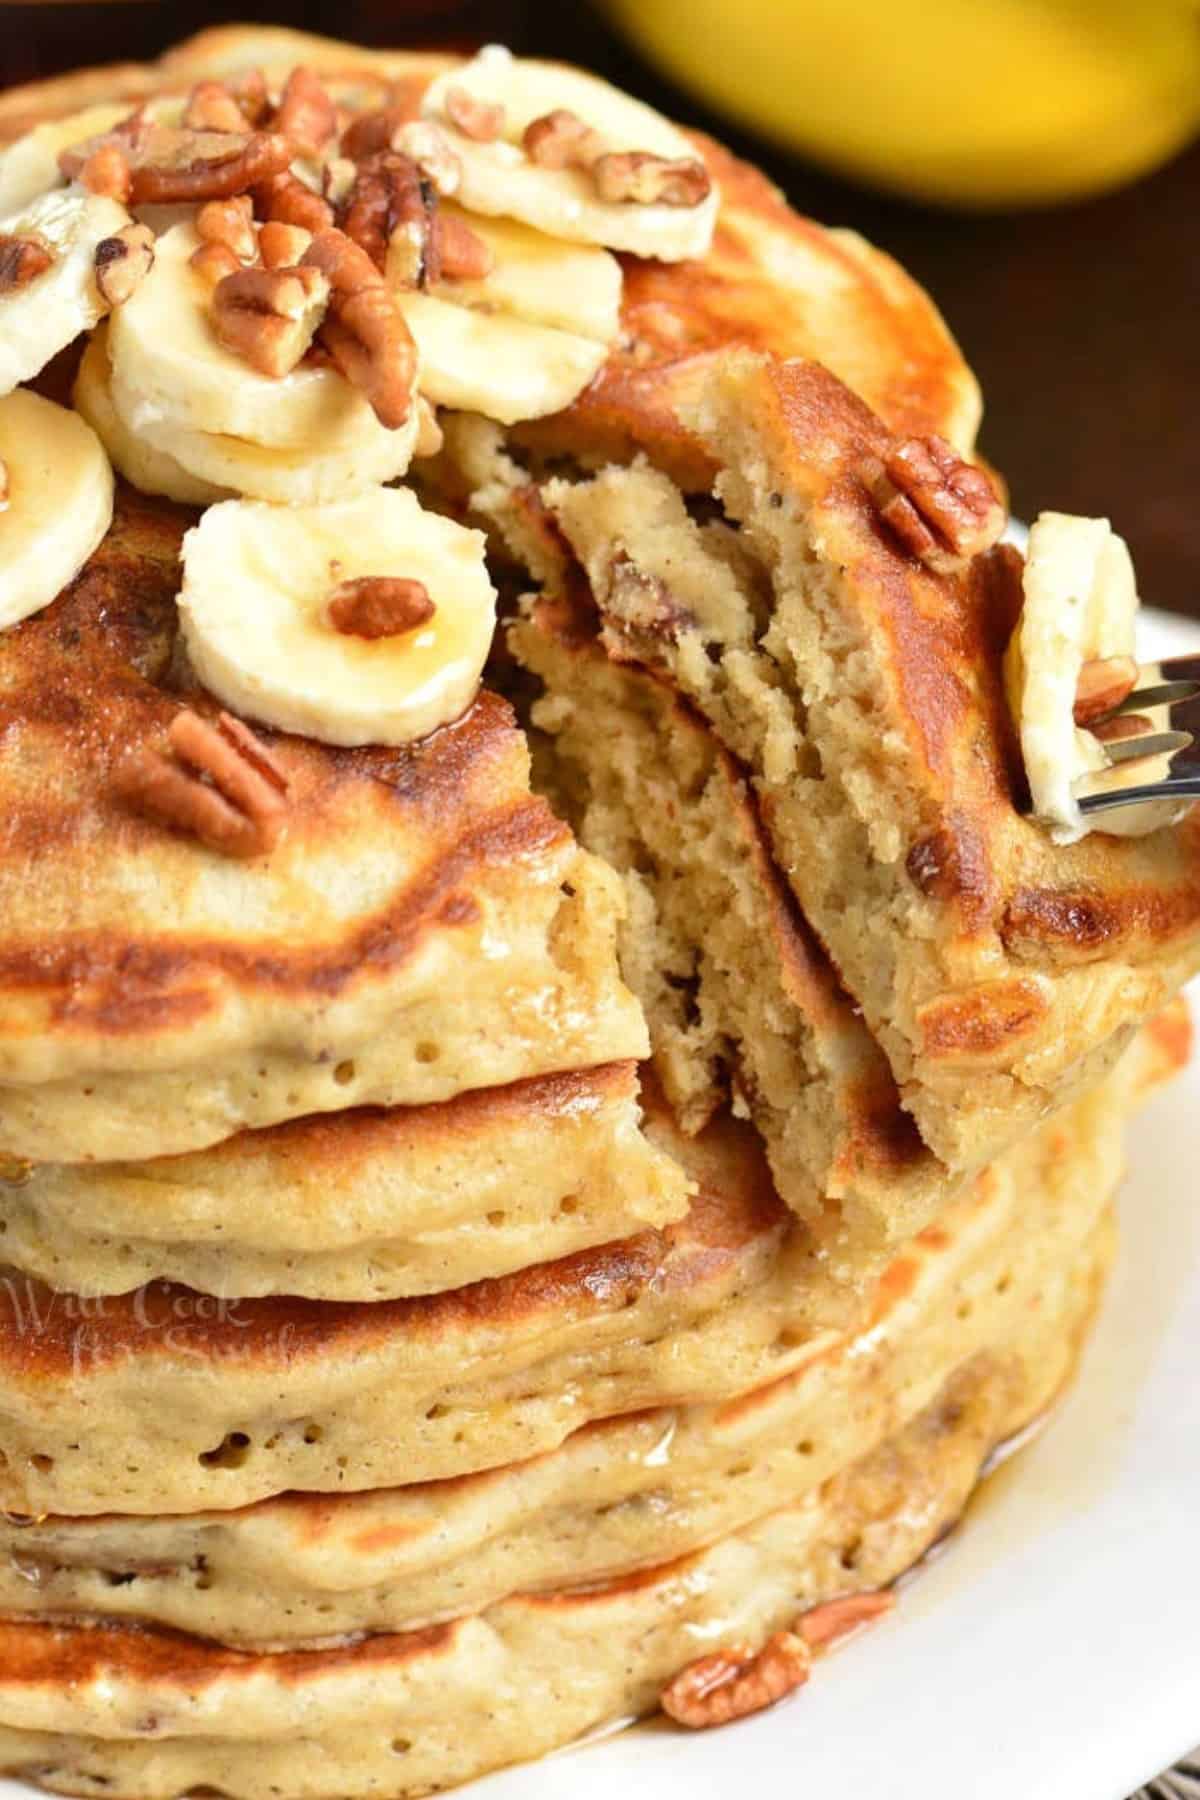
<point x="65" y="1656"/>
<point x="895" y="1284"/>
<point x="617" y="1589"/>
<point x="343" y="1141"/>
<point x="950" y="864"/>
<point x="934" y="1237"/>
<point x="985" y="1021"/>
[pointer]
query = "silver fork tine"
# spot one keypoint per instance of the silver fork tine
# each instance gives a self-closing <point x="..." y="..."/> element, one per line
<point x="1167" y="694"/>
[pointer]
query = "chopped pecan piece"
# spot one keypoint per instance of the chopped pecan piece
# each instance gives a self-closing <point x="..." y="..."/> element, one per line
<point x="211" y="107"/>
<point x="378" y="606"/>
<point x="285" y="198"/>
<point x="269" y="317"/>
<point x="213" y="262"/>
<point x="22" y="260"/>
<point x="561" y="140"/>
<point x="1103" y="683"/>
<point x="944" y="510"/>
<point x="250" y="92"/>
<point x="166" y="165"/>
<point x="637" y="178"/>
<point x="230" y="792"/>
<point x="1124" y="726"/>
<point x="337" y="178"/>
<point x="390" y="195"/>
<point x="364" y="330"/>
<point x="306" y="113"/>
<point x="462" y="254"/>
<point x="229" y="222"/>
<point x="430" y="149"/>
<point x="376" y="129"/>
<point x="730" y="1683"/>
<point x="281" y="246"/>
<point x="106" y="171"/>
<point x="823" y="1625"/>
<point x="477" y="119"/>
<point x="123" y="261"/>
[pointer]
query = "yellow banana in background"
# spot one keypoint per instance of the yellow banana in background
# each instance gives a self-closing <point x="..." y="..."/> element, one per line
<point x="973" y="103"/>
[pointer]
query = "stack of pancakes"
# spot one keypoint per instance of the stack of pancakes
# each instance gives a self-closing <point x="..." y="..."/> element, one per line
<point x="603" y="1186"/>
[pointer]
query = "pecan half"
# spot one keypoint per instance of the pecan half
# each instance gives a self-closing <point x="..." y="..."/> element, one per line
<point x="285" y="198"/>
<point x="211" y="107"/>
<point x="731" y="1683"/>
<point x="306" y="113"/>
<point x="462" y="254"/>
<point x="269" y="317"/>
<point x="637" y="178"/>
<point x="823" y="1625"/>
<point x="944" y="510"/>
<point x="123" y="261"/>
<point x="371" y="132"/>
<point x="225" y="787"/>
<point x="106" y="171"/>
<point x="476" y="119"/>
<point x="1103" y="683"/>
<point x="168" y="165"/>
<point x="229" y="222"/>
<point x="561" y="140"/>
<point x="379" y="606"/>
<point x="389" y="194"/>
<point x="22" y="260"/>
<point x="364" y="330"/>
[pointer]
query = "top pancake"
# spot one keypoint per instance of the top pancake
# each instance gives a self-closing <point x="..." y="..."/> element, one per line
<point x="156" y="997"/>
<point x="778" y="283"/>
<point x="864" y="696"/>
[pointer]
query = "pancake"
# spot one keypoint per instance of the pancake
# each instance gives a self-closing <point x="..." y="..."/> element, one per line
<point x="163" y="1400"/>
<point x="1000" y="1279"/>
<point x="775" y="282"/>
<point x="999" y="971"/>
<point x="369" y="1204"/>
<point x="166" y="1401"/>
<point x="149" y="1714"/>
<point x="737" y="991"/>
<point x="424" y="926"/>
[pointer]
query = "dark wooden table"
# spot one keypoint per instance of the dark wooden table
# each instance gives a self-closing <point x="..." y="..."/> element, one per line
<point x="1083" y="322"/>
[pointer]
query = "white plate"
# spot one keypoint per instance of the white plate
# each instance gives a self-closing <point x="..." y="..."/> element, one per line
<point x="1052" y="1651"/>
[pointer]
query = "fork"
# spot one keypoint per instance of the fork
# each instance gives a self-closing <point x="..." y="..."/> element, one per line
<point x="1157" y="725"/>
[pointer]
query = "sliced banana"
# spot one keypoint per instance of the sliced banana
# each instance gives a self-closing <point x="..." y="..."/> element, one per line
<point x="526" y="338"/>
<point x="148" y="469"/>
<point x="59" y="504"/>
<point x="169" y="371"/>
<point x="257" y="582"/>
<point x="1080" y="603"/>
<point x="29" y="165"/>
<point x="498" y="177"/>
<point x="40" y="318"/>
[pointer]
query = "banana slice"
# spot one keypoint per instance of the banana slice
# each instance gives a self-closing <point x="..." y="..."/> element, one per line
<point x="526" y="338"/>
<point x="1080" y="603"/>
<point x="59" y="505"/>
<point x="498" y="177"/>
<point x="40" y="318"/>
<point x="148" y="469"/>
<point x="257" y="584"/>
<point x="170" y="373"/>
